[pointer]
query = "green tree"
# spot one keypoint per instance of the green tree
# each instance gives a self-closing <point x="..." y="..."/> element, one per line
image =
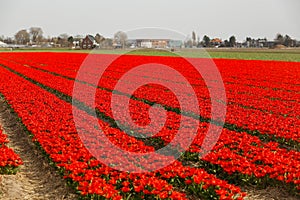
<point x="206" y="41"/>
<point x="279" y="39"/>
<point x="70" y="41"/>
<point x="288" y="41"/>
<point x="249" y="41"/>
<point x="232" y="41"/>
<point x="226" y="43"/>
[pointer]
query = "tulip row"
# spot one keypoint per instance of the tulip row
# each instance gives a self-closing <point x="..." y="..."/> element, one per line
<point x="140" y="116"/>
<point x="71" y="72"/>
<point x="239" y="116"/>
<point x="167" y="135"/>
<point x="70" y="66"/>
<point x="9" y="160"/>
<point x="238" y="159"/>
<point x="249" y="156"/>
<point x="49" y="120"/>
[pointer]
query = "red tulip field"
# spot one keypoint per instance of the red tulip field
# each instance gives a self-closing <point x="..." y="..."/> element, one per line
<point x="9" y="159"/>
<point x="258" y="144"/>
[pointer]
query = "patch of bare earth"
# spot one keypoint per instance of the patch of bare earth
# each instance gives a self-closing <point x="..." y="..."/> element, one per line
<point x="35" y="179"/>
<point x="269" y="193"/>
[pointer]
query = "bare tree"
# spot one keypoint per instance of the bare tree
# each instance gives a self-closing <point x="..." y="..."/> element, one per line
<point x="8" y="40"/>
<point x="99" y="38"/>
<point x="188" y="43"/>
<point x="288" y="41"/>
<point x="22" y="37"/>
<point x="36" y="34"/>
<point x="120" y="37"/>
<point x="279" y="39"/>
<point x="106" y="43"/>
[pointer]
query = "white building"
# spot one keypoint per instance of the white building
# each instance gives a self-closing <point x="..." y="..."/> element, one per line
<point x="2" y="44"/>
<point x="146" y="44"/>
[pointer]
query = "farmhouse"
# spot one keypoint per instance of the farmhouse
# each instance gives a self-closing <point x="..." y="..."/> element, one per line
<point x="89" y="42"/>
<point x="216" y="42"/>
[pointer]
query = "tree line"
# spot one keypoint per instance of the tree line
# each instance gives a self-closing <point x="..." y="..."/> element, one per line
<point x="34" y="36"/>
<point x="206" y="41"/>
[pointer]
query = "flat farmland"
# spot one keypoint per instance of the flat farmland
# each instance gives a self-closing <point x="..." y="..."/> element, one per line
<point x="257" y="150"/>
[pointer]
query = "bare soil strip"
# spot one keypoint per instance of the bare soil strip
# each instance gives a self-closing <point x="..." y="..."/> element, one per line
<point x="36" y="179"/>
<point x="269" y="193"/>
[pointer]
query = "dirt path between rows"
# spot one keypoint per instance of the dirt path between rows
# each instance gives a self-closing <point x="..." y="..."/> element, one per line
<point x="36" y="179"/>
<point x="269" y="193"/>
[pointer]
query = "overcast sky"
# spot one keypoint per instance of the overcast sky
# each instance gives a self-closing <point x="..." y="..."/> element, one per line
<point x="216" y="18"/>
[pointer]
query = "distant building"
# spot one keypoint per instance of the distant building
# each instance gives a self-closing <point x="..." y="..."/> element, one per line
<point x="2" y="44"/>
<point x="144" y="43"/>
<point x="270" y="44"/>
<point x="131" y="43"/>
<point x="152" y="43"/>
<point x="158" y="43"/>
<point x="216" y="42"/>
<point x="89" y="42"/>
<point x="258" y="43"/>
<point x="76" y="44"/>
<point x="117" y="45"/>
<point x="175" y="44"/>
<point x="262" y="43"/>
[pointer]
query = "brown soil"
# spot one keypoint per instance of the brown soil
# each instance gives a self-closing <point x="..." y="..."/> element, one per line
<point x="279" y="46"/>
<point x="270" y="193"/>
<point x="36" y="179"/>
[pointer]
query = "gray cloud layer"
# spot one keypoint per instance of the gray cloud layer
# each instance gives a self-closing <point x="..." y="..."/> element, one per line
<point x="216" y="18"/>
